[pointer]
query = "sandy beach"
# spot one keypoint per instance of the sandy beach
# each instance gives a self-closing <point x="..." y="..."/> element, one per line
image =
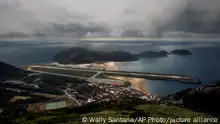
<point x="106" y="66"/>
<point x="137" y="83"/>
<point x="98" y="66"/>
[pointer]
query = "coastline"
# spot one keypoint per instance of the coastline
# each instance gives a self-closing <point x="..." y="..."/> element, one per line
<point x="98" y="66"/>
<point x="137" y="83"/>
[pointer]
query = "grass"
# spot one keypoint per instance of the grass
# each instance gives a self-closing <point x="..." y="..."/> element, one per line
<point x="146" y="110"/>
<point x="15" y="98"/>
<point x="168" y="111"/>
<point x="77" y="73"/>
<point x="103" y="75"/>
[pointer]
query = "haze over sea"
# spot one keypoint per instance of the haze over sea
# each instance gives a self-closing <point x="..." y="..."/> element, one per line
<point x="203" y="64"/>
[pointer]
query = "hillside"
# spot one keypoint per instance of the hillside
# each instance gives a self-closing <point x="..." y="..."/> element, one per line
<point x="204" y="98"/>
<point x="197" y="102"/>
<point x="153" y="54"/>
<point x="78" y="55"/>
<point x="128" y="108"/>
<point x="181" y="52"/>
<point x="10" y="72"/>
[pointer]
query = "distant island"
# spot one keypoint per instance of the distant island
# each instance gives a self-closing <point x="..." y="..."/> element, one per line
<point x="152" y="54"/>
<point x="181" y="52"/>
<point x="78" y="55"/>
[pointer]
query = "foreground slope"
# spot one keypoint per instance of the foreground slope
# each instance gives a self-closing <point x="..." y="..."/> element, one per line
<point x="204" y="98"/>
<point x="10" y="72"/>
<point x="129" y="108"/>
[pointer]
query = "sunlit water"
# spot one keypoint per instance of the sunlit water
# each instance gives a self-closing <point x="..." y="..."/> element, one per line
<point x="203" y="64"/>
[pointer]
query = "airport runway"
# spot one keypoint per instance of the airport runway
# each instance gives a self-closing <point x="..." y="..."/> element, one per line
<point x="149" y="76"/>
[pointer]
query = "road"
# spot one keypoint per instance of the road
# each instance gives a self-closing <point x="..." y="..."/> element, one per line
<point x="184" y="79"/>
<point x="71" y="97"/>
<point x="99" y="72"/>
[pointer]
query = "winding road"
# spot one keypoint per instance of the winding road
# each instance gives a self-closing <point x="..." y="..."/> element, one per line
<point x="71" y="96"/>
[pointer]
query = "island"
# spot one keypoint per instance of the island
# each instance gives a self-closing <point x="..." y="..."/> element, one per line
<point x="153" y="54"/>
<point x="78" y="55"/>
<point x="181" y="52"/>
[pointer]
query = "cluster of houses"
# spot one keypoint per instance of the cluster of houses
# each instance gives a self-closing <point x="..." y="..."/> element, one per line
<point x="108" y="92"/>
<point x="85" y="94"/>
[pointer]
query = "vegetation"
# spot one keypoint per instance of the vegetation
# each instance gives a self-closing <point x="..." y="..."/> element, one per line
<point x="66" y="72"/>
<point x="127" y="84"/>
<point x="181" y="52"/>
<point x="204" y="98"/>
<point x="50" y="86"/>
<point x="54" y="80"/>
<point x="14" y="111"/>
<point x="168" y="111"/>
<point x="127" y="108"/>
<point x="153" y="54"/>
<point x="77" y="55"/>
<point x="11" y="72"/>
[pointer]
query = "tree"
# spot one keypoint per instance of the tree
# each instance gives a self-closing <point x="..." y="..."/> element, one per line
<point x="127" y="84"/>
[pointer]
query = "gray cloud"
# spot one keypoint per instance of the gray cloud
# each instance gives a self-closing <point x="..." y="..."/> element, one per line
<point x="197" y="17"/>
<point x="78" y="18"/>
<point x="128" y="11"/>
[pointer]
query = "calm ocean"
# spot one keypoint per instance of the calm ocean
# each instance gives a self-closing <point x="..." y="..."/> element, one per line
<point x="203" y="64"/>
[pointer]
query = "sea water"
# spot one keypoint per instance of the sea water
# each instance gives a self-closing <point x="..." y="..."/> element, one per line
<point x="204" y="63"/>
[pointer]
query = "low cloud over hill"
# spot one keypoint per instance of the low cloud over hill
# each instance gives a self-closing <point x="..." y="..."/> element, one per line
<point x="128" y="18"/>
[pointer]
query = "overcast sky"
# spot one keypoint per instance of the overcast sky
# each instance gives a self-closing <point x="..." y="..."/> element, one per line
<point x="109" y="17"/>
